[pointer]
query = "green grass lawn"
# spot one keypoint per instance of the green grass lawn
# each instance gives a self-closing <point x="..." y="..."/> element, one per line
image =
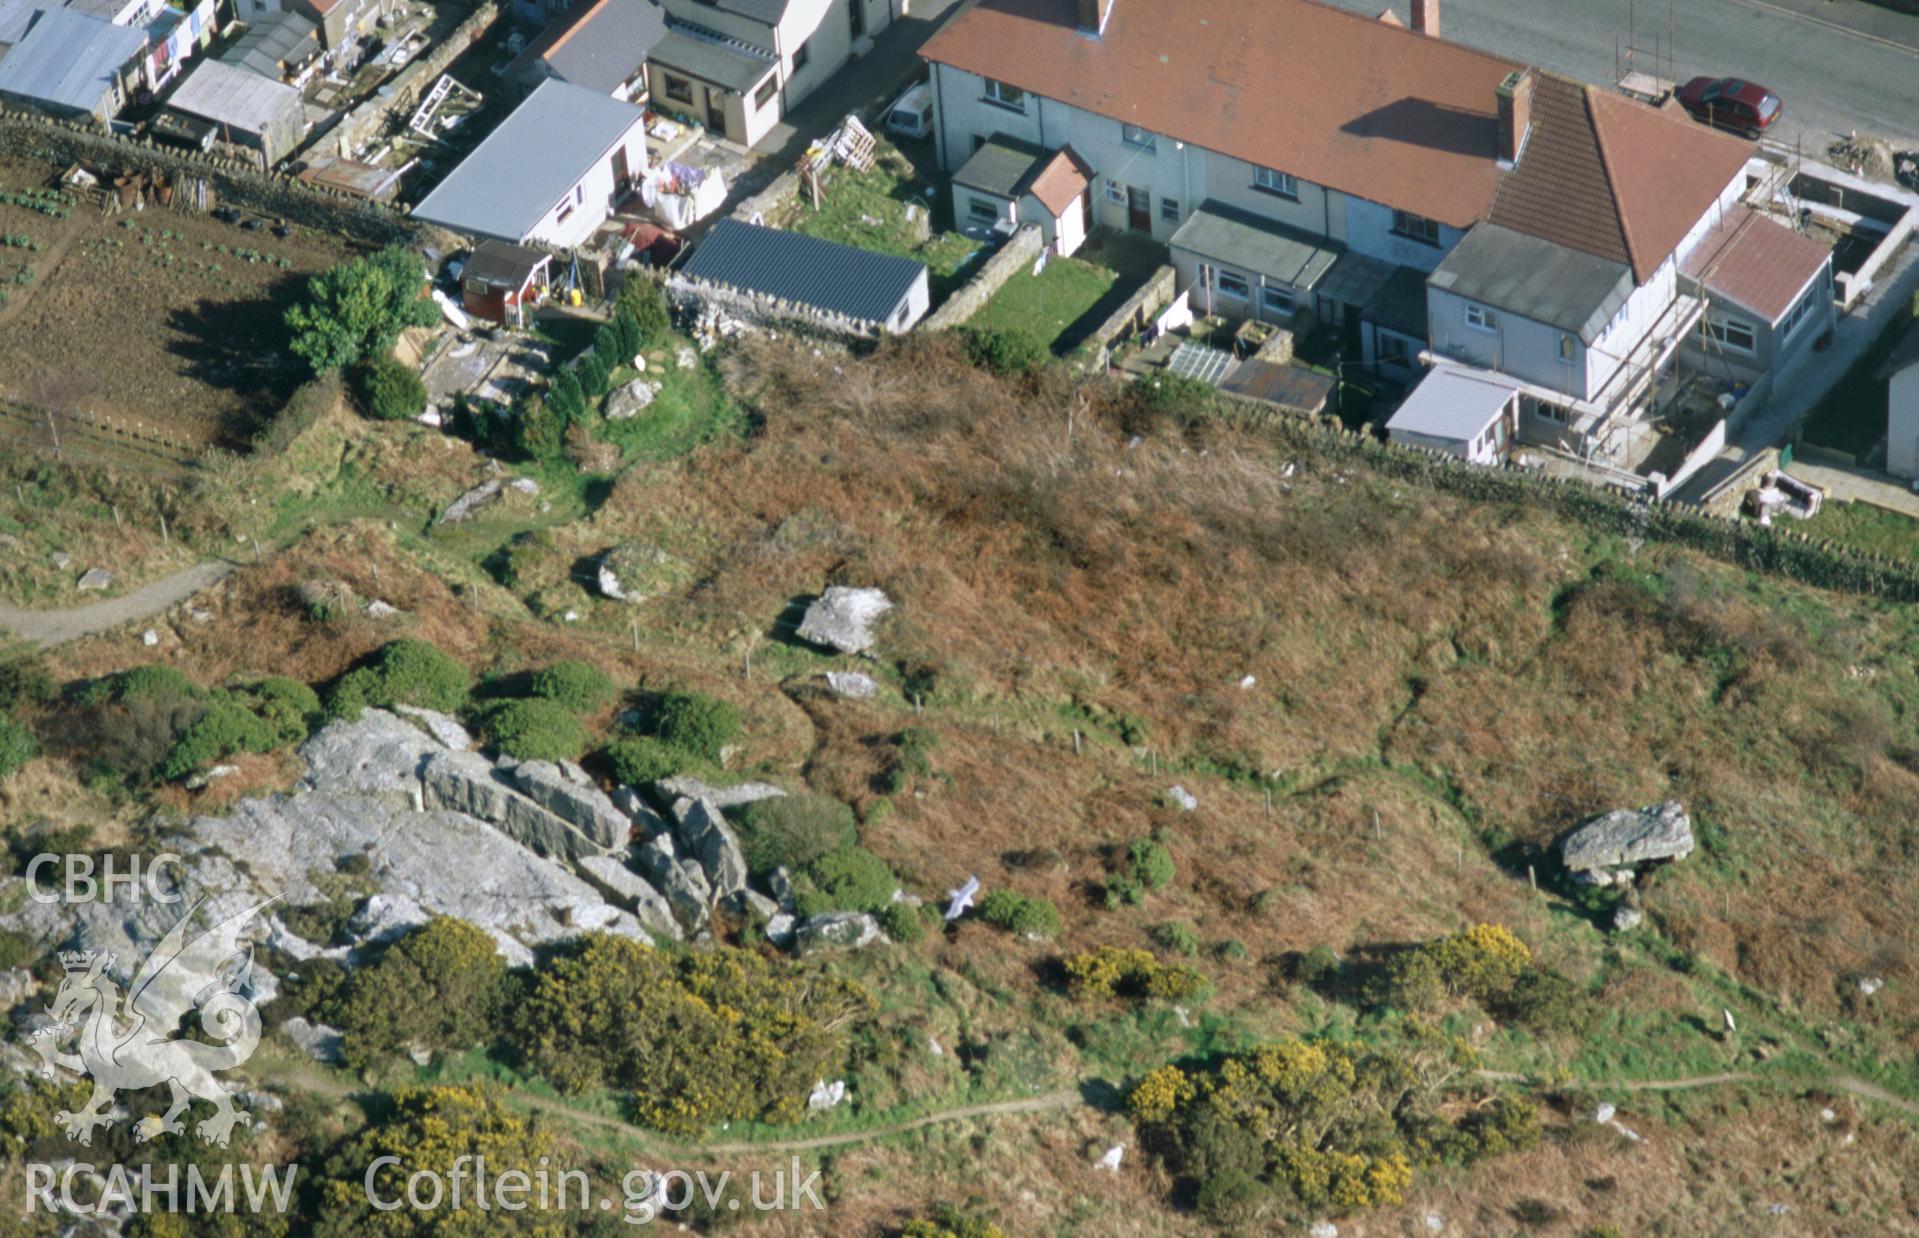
<point x="849" y="199"/>
<point x="1048" y="303"/>
<point x="1852" y="416"/>
<point x="1865" y="527"/>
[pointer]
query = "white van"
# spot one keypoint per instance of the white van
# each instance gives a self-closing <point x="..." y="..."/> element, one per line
<point x="911" y="115"/>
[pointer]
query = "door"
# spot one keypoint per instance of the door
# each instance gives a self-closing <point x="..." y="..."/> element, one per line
<point x="1139" y="209"/>
<point x="856" y="18"/>
<point x="715" y="112"/>
<point x="622" y="172"/>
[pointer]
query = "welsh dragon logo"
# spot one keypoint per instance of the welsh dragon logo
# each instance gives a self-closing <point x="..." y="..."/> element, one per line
<point x="134" y="1046"/>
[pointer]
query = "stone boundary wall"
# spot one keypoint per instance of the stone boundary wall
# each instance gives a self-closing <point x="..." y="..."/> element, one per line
<point x="1014" y="256"/>
<point x="1775" y="550"/>
<point x="1130" y="317"/>
<point x="366" y="120"/>
<point x="689" y="295"/>
<point x="60" y="144"/>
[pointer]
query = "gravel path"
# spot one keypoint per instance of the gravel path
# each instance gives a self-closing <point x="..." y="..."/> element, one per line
<point x="54" y="627"/>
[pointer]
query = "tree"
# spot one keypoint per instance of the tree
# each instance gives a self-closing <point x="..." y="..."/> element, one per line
<point x="539" y="432"/>
<point x="593" y="374"/>
<point x="607" y="347"/>
<point x="647" y="303"/>
<point x="357" y="309"/>
<point x="441" y="986"/>
<point x="628" y="325"/>
<point x="391" y="391"/>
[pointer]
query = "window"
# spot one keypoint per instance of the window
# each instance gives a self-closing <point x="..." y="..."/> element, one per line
<point x="767" y="90"/>
<point x="1277" y="299"/>
<point x="1802" y="311"/>
<point x="899" y="319"/>
<point x="1234" y="285"/>
<point x="566" y="211"/>
<point x="1481" y="318"/>
<point x="801" y="55"/>
<point x="1565" y="348"/>
<point x="981" y="211"/>
<point x="1135" y="136"/>
<point x="1169" y="210"/>
<point x="1115" y="192"/>
<point x="1005" y="96"/>
<point x="1392" y="349"/>
<point x="1278" y="183"/>
<point x="1733" y="333"/>
<point x="1415" y="227"/>
<point x="979" y="140"/>
<point x="679" y="89"/>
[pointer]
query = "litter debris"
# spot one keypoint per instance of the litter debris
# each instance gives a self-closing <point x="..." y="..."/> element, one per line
<point x="1246" y="683"/>
<point x="1186" y="800"/>
<point x="149" y="638"/>
<point x="1870" y="985"/>
<point x="826" y="1095"/>
<point x="1604" y="1113"/>
<point x="1114" y="1155"/>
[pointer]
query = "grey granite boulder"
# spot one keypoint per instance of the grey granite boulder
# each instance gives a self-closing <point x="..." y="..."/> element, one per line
<point x="466" y="783"/>
<point x="845" y="619"/>
<point x="706" y="837"/>
<point x="687" y="787"/>
<point x="836" y="930"/>
<point x="683" y="885"/>
<point x="647" y="904"/>
<point x="441" y="727"/>
<point x="1626" y="837"/>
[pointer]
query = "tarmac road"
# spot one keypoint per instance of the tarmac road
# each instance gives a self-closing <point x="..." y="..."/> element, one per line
<point x="1838" y="64"/>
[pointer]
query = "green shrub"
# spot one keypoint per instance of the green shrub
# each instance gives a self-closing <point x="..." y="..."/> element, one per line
<point x="1546" y="1003"/>
<point x="287" y="706"/>
<point x="1122" y="891"/>
<point x="579" y="686"/>
<point x="607" y="347"/>
<point x="1177" y="938"/>
<point x="1111" y="971"/>
<point x="390" y="390"/>
<point x="1005" y="350"/>
<point x="536" y="429"/>
<point x="1481" y="963"/>
<point x="628" y="327"/>
<point x="404" y="672"/>
<point x="946" y="1221"/>
<point x="25" y="680"/>
<point x="441" y="986"/>
<point x="1317" y="968"/>
<point x="298" y="415"/>
<point x="695" y="1037"/>
<point x="17" y="746"/>
<point x="646" y="302"/>
<point x="1019" y="914"/>
<point x="636" y="760"/>
<point x="594" y="376"/>
<point x="902" y="922"/>
<point x="848" y="879"/>
<point x="358" y="308"/>
<point x="702" y="725"/>
<point x="533" y="730"/>
<point x="1151" y="863"/>
<point x="912" y="759"/>
<point x="153" y="682"/>
<point x="227" y="726"/>
<point x="792" y="831"/>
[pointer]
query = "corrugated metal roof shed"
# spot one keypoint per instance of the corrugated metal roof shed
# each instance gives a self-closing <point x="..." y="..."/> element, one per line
<point x="1453" y="405"/>
<point x="513" y="178"/>
<point x="229" y="95"/>
<point x="69" y="60"/>
<point x="1537" y="279"/>
<point x="836" y="278"/>
<point x="1000" y="166"/>
<point x="1246" y="242"/>
<point x="273" y="42"/>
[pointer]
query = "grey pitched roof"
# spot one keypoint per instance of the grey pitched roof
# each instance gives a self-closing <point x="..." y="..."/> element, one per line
<point x="68" y="59"/>
<point x="230" y="95"/>
<point x="1000" y="166"/>
<point x="711" y="60"/>
<point x="274" y="40"/>
<point x="1247" y="242"/>
<point x="1451" y="404"/>
<point x="766" y="12"/>
<point x="1535" y="278"/>
<point x="826" y="275"/>
<point x="503" y="265"/>
<point x="513" y="178"/>
<point x="16" y="16"/>
<point x="599" y="45"/>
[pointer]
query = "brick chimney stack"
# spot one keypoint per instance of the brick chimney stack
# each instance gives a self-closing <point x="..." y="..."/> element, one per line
<point x="1093" y="16"/>
<point x="1515" y="113"/>
<point x="1426" y="18"/>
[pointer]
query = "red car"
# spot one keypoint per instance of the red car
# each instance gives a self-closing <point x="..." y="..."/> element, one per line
<point x="1729" y="103"/>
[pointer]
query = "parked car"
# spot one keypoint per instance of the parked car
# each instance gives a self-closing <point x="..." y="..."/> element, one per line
<point x="1731" y="103"/>
<point x="911" y="115"/>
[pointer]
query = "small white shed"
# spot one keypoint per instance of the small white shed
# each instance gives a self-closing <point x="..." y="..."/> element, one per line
<point x="1459" y="413"/>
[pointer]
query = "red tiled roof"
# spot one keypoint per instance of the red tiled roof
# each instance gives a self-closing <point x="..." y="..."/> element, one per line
<point x="1061" y="180"/>
<point x="1328" y="96"/>
<point x="1756" y="261"/>
<point x="1611" y="177"/>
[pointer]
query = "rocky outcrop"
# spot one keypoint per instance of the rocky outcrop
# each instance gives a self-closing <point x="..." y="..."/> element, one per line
<point x="672" y="790"/>
<point x="706" y="837"/>
<point x="463" y="508"/>
<point x="468" y="783"/>
<point x="835" y="931"/>
<point x="446" y="731"/>
<point x="845" y="619"/>
<point x="566" y="791"/>
<point x="852" y="685"/>
<point x="647" y="904"/>
<point x="683" y="885"/>
<point x="634" y="571"/>
<point x="1626" y="837"/>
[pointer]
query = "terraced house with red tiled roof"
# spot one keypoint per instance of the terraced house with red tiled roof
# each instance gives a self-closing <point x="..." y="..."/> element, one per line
<point x="1437" y="204"/>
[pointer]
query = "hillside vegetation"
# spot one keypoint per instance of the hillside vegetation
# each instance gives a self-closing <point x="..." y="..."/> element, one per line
<point x="1387" y="702"/>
